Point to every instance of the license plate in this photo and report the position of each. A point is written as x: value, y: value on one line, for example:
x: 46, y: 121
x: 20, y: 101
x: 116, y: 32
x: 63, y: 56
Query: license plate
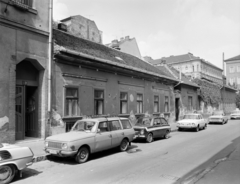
x: 53, y: 152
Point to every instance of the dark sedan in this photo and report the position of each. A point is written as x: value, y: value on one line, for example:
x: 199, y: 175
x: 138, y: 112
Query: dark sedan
x: 149, y: 128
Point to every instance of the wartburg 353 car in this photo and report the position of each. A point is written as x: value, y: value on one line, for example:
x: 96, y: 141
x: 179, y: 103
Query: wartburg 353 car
x: 192, y: 121
x: 149, y: 128
x: 13, y: 159
x: 89, y: 136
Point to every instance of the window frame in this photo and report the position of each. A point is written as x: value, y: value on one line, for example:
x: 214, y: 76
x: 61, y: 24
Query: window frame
x: 158, y: 102
x: 97, y: 100
x: 231, y: 69
x: 65, y: 101
x: 123, y: 100
x: 168, y: 105
x: 139, y: 102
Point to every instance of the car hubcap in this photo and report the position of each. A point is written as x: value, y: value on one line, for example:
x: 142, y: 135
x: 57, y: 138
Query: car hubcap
x: 83, y: 154
x: 150, y: 138
x: 5, y: 172
x: 124, y: 145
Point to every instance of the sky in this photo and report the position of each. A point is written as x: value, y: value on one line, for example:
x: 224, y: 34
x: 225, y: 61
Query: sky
x: 205, y: 28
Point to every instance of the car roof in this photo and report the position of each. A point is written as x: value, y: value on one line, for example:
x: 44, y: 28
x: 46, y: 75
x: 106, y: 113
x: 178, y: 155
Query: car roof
x: 99, y: 119
x: 193, y: 114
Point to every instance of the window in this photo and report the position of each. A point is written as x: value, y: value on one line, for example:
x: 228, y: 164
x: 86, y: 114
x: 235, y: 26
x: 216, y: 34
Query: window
x: 238, y: 80
x: 71, y: 106
x: 190, y: 103
x: 139, y: 103
x: 156, y: 103
x: 103, y: 126
x: 115, y: 125
x: 231, y: 69
x: 166, y: 104
x: 123, y: 103
x: 164, y: 122
x: 126, y: 124
x: 231, y: 81
x: 27, y: 3
x: 238, y: 68
x: 98, y: 102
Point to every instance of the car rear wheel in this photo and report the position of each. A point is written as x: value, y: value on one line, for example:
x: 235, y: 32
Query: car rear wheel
x: 82, y: 155
x: 124, y: 145
x: 149, y: 138
x: 7, y: 173
x: 205, y: 126
x: 167, y: 135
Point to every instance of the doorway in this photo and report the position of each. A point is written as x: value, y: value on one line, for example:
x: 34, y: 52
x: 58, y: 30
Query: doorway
x: 26, y: 101
x: 177, y: 109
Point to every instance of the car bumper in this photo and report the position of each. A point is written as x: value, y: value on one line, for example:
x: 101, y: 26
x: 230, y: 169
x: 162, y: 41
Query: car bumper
x: 186, y: 126
x: 60, y: 153
x: 234, y: 117
x: 215, y: 121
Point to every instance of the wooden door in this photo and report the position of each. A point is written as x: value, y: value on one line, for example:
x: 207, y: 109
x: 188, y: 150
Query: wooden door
x: 19, y: 113
x: 31, y: 126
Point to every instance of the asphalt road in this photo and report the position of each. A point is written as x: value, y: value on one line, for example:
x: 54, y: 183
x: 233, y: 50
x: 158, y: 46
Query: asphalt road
x: 180, y: 159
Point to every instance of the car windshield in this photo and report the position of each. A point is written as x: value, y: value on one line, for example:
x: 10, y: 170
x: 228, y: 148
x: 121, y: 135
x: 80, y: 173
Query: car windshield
x: 218, y: 113
x: 144, y: 121
x: 190, y: 116
x: 86, y: 126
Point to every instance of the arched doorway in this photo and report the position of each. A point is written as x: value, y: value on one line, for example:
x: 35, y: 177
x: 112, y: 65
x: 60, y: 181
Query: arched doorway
x: 27, y: 77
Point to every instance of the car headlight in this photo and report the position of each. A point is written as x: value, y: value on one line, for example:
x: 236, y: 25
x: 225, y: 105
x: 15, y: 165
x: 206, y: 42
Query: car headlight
x: 46, y: 143
x: 193, y: 124
x: 64, y: 146
x: 142, y: 132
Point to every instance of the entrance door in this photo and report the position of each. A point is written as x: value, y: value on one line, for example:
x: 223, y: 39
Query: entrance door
x: 31, y: 124
x: 177, y: 108
x: 20, y: 111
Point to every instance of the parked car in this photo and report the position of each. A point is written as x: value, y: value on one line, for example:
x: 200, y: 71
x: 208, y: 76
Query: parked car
x: 235, y: 114
x: 13, y: 159
x: 218, y: 117
x: 149, y: 128
x: 192, y: 121
x: 89, y: 136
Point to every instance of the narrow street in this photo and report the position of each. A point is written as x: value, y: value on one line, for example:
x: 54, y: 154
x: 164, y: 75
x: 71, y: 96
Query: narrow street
x: 175, y: 160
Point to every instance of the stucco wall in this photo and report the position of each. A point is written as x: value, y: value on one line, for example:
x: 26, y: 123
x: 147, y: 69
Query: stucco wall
x: 112, y: 88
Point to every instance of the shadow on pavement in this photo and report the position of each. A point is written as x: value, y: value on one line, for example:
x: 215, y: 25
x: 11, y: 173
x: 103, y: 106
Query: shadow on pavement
x: 210, y: 163
x: 26, y: 173
x: 94, y: 156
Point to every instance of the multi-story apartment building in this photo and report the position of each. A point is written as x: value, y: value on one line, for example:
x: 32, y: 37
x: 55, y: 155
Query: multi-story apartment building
x: 193, y: 66
x: 82, y: 27
x: 127, y: 45
x: 233, y: 71
x: 24, y: 41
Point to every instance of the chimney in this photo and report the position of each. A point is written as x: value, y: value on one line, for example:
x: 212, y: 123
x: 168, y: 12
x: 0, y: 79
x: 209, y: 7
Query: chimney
x: 126, y: 37
x: 122, y: 39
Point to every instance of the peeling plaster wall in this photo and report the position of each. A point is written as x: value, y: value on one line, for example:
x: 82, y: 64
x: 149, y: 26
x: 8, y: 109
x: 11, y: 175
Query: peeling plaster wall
x: 112, y: 87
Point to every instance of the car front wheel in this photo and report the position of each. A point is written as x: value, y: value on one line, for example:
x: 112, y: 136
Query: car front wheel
x: 167, y: 135
x: 7, y: 173
x: 82, y: 155
x: 149, y: 138
x: 124, y: 145
x: 197, y: 128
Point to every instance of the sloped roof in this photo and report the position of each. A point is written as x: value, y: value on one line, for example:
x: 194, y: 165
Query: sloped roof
x: 181, y: 58
x: 81, y: 45
x: 233, y: 58
x: 175, y: 73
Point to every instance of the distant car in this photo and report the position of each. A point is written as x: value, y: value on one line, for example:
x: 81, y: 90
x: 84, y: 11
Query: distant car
x: 13, y: 159
x: 218, y: 117
x: 235, y: 115
x: 150, y: 128
x: 192, y: 121
x: 89, y: 136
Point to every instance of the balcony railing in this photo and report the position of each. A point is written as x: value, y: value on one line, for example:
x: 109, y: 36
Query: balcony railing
x: 24, y: 4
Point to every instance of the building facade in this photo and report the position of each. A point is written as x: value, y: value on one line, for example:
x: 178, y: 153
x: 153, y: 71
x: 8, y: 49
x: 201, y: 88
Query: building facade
x: 233, y: 71
x: 127, y: 45
x: 83, y: 28
x: 24, y: 34
x: 93, y: 79
x: 193, y: 67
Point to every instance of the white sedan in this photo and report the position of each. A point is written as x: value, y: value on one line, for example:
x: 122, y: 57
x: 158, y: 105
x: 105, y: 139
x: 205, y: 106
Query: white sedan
x: 218, y: 117
x: 235, y: 115
x: 192, y: 121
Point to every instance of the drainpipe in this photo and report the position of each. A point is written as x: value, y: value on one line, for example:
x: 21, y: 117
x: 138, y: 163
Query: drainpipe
x: 50, y: 59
